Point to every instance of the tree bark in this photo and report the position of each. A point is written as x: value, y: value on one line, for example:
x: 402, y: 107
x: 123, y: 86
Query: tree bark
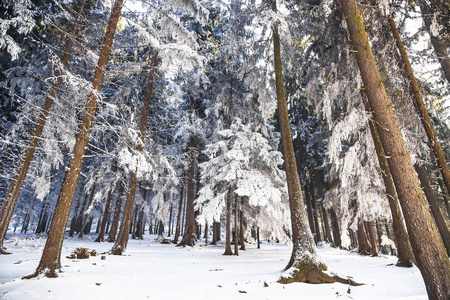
x: 117, y: 210
x: 310, y: 212
x: 123, y: 236
x: 434, y: 206
x: 179, y: 216
x: 51, y: 256
x: 373, y: 240
x: 258, y: 238
x: 241, y: 228
x: 101, y: 233
x: 421, y: 109
x: 317, y: 236
x: 228, y: 250
x: 190, y: 237
x: 364, y: 247
x: 15, y: 186
x: 427, y: 246
x: 85, y: 214
x: 236, y: 227
x: 404, y: 251
x: 336, y: 230
x: 439, y: 47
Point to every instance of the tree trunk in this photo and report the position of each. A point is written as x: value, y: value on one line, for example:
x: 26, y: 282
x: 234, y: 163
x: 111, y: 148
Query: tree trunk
x: 307, y: 268
x: 206, y: 233
x: 85, y: 214
x: 15, y: 186
x: 329, y: 237
x: 179, y: 216
x: 318, y: 238
x: 190, y: 237
x: 444, y: 196
x: 170, y: 220
x: 236, y: 230
x: 214, y: 238
x: 258, y: 238
x: 310, y: 212
x: 42, y: 217
x: 122, y: 239
x: 439, y: 47
x: 364, y: 247
x: 336, y: 230
x: 101, y: 233
x: 404, y: 251
x: 117, y: 210
x: 434, y: 206
x: 373, y: 240
x: 228, y: 250
x: 241, y: 228
x: 421, y: 109
x: 429, y: 251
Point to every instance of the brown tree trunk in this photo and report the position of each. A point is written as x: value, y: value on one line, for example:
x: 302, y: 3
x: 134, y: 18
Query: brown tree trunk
x: 241, y: 228
x: 329, y: 237
x: 51, y: 256
x: 434, y: 206
x: 364, y: 247
x: 310, y: 212
x: 336, y: 230
x: 117, y: 210
x: 101, y: 233
x: 258, y: 238
x: 429, y: 251
x: 215, y: 238
x: 190, y: 237
x: 123, y: 236
x: 179, y: 216
x: 206, y: 233
x: 439, y: 47
x: 236, y: 230
x: 421, y: 109
x: 373, y: 240
x: 307, y: 268
x: 404, y: 251
x: 170, y: 220
x: 228, y: 250
x: 15, y: 186
x: 318, y: 237
x: 444, y: 196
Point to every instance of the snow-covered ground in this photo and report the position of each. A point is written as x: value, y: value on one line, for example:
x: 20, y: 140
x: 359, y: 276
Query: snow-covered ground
x: 150, y: 270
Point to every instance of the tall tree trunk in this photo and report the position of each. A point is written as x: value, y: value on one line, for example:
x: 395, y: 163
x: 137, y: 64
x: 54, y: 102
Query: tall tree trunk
x: 329, y: 236
x: 310, y: 212
x: 236, y: 227
x: 445, y: 195
x: 315, y: 213
x: 434, y: 206
x: 206, y: 233
x: 307, y: 268
x: 117, y: 210
x: 241, y: 228
x: 429, y: 251
x: 373, y: 240
x: 15, y: 186
x: 51, y: 256
x: 258, y: 238
x: 43, y: 215
x: 123, y: 236
x: 439, y: 47
x: 421, y: 109
x: 190, y: 237
x: 179, y: 216
x: 228, y: 250
x: 404, y: 251
x: 101, y: 233
x: 214, y: 238
x: 336, y: 230
x: 170, y: 221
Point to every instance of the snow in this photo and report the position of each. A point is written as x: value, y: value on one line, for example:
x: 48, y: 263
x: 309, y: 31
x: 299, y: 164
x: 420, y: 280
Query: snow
x: 150, y: 270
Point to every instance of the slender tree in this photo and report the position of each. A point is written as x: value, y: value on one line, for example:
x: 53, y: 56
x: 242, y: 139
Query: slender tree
x: 427, y: 246
x: 122, y: 239
x: 101, y: 233
x: 51, y: 256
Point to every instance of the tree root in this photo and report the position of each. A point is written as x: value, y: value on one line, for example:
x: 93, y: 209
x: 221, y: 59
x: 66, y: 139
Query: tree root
x: 309, y: 272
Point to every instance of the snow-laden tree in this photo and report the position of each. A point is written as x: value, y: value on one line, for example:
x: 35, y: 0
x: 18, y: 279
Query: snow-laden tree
x: 247, y: 161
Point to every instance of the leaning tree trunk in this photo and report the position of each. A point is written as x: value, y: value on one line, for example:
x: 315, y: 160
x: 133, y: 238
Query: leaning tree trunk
x: 101, y: 233
x: 427, y: 246
x: 124, y: 231
x: 434, y: 206
x: 421, y: 109
x: 190, y: 237
x: 439, y: 47
x: 117, y: 210
x: 51, y: 256
x: 303, y: 258
x: 404, y: 251
x: 179, y: 215
x: 15, y: 186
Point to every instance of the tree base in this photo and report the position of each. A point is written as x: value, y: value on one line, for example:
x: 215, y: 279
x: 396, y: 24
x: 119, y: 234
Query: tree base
x: 309, y: 272
x: 3, y: 251
x: 117, y: 250
x: 404, y: 264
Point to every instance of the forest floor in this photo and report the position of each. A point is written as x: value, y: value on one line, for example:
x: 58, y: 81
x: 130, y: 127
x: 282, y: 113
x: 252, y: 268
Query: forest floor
x: 150, y: 270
